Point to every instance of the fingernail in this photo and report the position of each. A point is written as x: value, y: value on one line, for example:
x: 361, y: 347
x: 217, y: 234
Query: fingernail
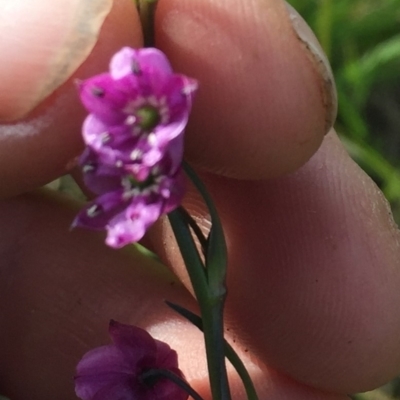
x: 42, y: 43
x: 321, y: 63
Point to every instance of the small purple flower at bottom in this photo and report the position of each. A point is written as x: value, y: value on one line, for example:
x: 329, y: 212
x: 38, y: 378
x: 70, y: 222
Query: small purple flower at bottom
x: 116, y: 371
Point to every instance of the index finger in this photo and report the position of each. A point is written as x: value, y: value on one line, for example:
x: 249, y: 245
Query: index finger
x: 43, y: 52
x: 267, y: 94
x: 263, y: 107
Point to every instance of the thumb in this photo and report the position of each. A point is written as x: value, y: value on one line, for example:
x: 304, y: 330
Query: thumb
x: 44, y: 44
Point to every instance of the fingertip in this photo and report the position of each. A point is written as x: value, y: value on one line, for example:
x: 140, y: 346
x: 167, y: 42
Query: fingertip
x: 328, y: 257
x: 313, y: 271
x: 260, y: 111
x: 51, y: 40
x: 269, y: 384
x: 44, y: 144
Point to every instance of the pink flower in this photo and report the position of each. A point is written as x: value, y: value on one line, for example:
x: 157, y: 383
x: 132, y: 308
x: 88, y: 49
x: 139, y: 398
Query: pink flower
x: 136, y: 109
x: 125, y: 207
x: 117, y: 371
x: 134, y: 137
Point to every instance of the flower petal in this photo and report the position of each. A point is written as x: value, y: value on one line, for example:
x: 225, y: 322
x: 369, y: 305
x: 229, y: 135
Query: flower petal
x: 129, y: 336
x: 134, y: 135
x: 117, y: 371
x: 180, y: 90
x: 122, y: 391
x: 166, y: 133
x: 112, y: 145
x: 152, y: 59
x: 102, y: 360
x: 172, y: 189
x: 128, y: 61
x: 103, y: 98
x: 132, y: 225
x: 97, y: 214
x: 174, y: 154
x: 166, y: 357
x: 98, y: 368
x: 94, y: 132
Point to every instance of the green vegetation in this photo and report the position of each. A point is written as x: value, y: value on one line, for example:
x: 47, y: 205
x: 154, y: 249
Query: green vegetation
x: 362, y: 41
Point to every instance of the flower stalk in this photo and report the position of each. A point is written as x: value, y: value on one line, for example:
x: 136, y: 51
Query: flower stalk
x: 147, y: 10
x: 210, y: 292
x: 155, y: 373
x: 211, y: 306
x: 208, y: 283
x: 230, y: 353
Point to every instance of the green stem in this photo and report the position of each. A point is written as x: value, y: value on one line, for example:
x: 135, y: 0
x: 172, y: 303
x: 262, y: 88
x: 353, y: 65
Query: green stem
x: 196, y: 229
x: 147, y: 10
x: 324, y: 25
x: 157, y: 373
x: 212, y: 314
x: 211, y: 306
x: 216, y: 256
x: 240, y: 368
x: 230, y: 353
x: 190, y: 254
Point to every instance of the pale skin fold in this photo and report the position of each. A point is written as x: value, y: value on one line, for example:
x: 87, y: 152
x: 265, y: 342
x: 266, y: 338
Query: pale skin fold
x: 314, y: 274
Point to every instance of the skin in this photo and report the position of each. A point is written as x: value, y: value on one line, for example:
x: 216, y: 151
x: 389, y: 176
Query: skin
x: 313, y: 301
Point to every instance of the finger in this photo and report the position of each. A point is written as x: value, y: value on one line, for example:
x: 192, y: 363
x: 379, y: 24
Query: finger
x: 313, y: 271
x: 57, y: 49
x: 274, y: 146
x: 59, y: 289
x: 266, y: 94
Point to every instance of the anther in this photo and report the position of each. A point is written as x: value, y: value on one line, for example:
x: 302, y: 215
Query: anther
x: 98, y: 92
x: 87, y: 168
x: 136, y: 68
x: 152, y: 139
x: 93, y: 211
x: 136, y: 154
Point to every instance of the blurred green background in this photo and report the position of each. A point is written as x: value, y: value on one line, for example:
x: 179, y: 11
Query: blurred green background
x: 362, y: 41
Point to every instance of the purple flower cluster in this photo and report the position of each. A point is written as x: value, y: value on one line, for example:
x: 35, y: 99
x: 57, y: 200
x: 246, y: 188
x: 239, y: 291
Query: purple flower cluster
x: 134, y: 138
x: 118, y: 371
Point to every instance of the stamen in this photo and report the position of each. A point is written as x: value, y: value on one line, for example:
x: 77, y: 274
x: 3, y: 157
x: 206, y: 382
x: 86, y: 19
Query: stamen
x: 136, y: 68
x: 189, y: 88
x: 93, y: 211
x: 130, y: 120
x: 136, y: 154
x: 126, y: 184
x: 105, y: 137
x: 87, y: 168
x: 133, y: 105
x: 152, y: 139
x: 98, y: 92
x: 166, y: 193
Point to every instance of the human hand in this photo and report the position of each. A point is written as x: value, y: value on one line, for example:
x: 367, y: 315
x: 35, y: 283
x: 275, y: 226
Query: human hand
x: 313, y: 272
